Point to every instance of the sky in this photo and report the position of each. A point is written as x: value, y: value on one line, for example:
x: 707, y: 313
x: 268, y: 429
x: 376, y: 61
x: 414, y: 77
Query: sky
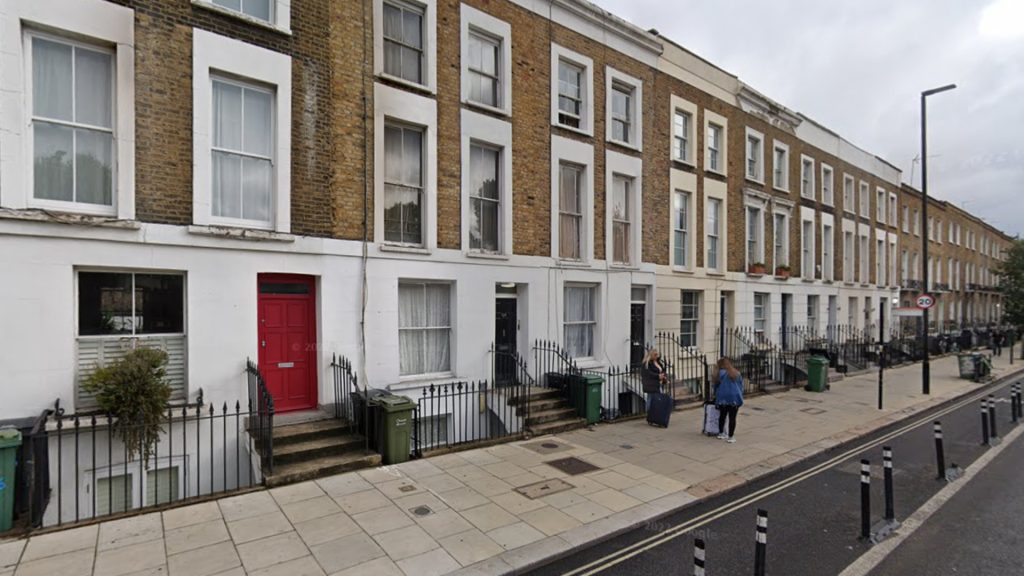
x: 858, y: 67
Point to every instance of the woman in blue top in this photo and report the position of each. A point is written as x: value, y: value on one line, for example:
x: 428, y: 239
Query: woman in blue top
x: 728, y: 398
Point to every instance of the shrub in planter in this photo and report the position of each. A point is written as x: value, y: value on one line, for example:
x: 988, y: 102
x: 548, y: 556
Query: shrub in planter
x: 782, y: 271
x: 757, y: 268
x: 134, y: 392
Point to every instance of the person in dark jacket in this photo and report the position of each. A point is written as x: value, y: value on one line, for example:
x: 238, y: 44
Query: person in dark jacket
x: 652, y: 373
x: 728, y: 398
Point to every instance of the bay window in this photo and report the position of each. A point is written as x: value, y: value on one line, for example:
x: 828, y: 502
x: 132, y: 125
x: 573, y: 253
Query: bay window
x: 424, y: 328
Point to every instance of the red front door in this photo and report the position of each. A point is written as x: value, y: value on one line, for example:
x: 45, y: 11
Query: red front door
x: 287, y: 339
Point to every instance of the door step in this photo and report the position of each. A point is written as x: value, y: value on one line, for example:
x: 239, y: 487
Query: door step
x: 322, y: 466
x: 316, y: 448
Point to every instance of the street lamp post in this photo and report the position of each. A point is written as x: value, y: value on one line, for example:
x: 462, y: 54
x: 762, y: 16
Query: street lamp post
x: 926, y: 384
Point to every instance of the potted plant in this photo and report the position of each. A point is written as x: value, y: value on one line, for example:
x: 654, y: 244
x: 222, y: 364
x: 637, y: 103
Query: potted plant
x: 782, y: 271
x: 757, y: 268
x: 134, y: 392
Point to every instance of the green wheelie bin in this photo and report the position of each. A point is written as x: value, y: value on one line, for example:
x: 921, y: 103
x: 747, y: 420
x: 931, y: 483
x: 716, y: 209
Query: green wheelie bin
x: 397, y: 416
x: 10, y: 441
x: 586, y: 397
x: 817, y: 374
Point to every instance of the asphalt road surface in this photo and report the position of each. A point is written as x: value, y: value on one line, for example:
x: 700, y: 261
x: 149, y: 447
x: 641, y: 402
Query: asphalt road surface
x: 813, y: 508
x: 976, y: 532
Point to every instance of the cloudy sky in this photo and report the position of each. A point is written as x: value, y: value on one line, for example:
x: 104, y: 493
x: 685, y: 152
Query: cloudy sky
x: 859, y: 66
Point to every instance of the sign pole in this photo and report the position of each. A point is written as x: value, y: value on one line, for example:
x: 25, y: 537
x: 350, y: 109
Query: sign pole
x: 881, y: 353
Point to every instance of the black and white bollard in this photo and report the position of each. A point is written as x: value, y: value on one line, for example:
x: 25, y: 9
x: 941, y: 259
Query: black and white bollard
x: 940, y: 453
x: 992, y: 417
x: 1013, y: 403
x: 698, y: 557
x: 890, y: 513
x: 984, y: 423
x: 865, y: 499
x: 762, y: 542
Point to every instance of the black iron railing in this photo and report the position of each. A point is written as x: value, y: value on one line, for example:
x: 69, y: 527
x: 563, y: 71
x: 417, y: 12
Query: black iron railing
x: 688, y: 366
x: 848, y: 346
x: 261, y: 416
x: 465, y: 413
x: 34, y: 472
x: 552, y: 364
x: 202, y: 450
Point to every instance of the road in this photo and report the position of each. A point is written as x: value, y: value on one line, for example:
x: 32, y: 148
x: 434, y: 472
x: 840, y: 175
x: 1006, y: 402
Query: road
x: 976, y: 532
x: 814, y: 507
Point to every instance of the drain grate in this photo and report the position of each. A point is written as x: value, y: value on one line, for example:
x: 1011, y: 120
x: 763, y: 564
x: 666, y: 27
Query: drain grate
x: 544, y: 488
x: 572, y: 466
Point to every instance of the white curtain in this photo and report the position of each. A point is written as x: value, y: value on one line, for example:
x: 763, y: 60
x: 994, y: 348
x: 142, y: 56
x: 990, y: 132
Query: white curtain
x: 242, y: 121
x: 579, y: 321
x: 424, y: 322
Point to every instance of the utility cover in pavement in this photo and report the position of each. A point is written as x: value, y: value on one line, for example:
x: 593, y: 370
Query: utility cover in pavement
x: 813, y: 411
x: 547, y: 447
x: 572, y: 466
x: 544, y: 488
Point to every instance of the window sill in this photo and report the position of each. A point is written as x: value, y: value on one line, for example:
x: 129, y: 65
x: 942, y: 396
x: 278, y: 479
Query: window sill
x: 503, y: 112
x: 782, y: 278
x: 561, y: 263
x: 807, y: 280
x: 422, y: 88
x: 240, y: 16
x: 622, y: 266
x: 416, y: 381
x: 716, y: 172
x: 687, y: 163
x: 755, y: 181
x: 682, y: 270
x: 626, y: 145
x: 783, y: 190
x: 580, y: 131
x: 241, y: 233
x: 486, y: 256
x: 715, y: 273
x: 39, y: 215
x: 403, y: 249
x: 754, y: 275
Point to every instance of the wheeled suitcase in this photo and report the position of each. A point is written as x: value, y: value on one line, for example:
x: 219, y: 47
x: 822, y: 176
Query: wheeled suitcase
x: 659, y: 409
x: 711, y: 419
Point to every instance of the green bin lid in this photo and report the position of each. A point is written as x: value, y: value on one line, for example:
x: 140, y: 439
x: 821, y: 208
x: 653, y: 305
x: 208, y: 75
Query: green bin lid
x: 10, y: 437
x: 593, y: 379
x: 396, y: 403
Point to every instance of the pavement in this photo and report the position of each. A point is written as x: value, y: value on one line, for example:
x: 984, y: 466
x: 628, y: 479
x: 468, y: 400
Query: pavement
x: 460, y: 513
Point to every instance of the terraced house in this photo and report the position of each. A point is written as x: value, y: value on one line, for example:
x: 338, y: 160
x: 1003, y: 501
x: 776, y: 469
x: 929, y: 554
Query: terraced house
x: 462, y: 199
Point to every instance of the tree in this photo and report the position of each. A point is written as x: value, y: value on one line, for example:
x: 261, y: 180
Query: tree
x: 1011, y: 278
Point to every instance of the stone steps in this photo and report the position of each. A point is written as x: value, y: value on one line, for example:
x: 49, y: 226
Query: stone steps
x: 317, y: 448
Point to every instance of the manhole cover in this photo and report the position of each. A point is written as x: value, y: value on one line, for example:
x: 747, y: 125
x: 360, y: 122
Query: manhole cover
x: 421, y: 511
x: 626, y: 446
x: 544, y: 488
x: 406, y: 488
x: 546, y: 447
x: 572, y: 466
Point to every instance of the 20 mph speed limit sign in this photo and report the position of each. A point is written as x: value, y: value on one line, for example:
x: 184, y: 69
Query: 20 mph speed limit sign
x: 924, y: 301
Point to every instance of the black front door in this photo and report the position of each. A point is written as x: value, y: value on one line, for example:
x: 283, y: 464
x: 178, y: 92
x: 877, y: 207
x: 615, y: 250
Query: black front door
x: 637, y: 332
x: 505, y: 336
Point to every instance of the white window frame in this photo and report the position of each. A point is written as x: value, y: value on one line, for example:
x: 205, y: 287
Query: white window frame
x: 881, y: 205
x: 568, y: 150
x: 429, y: 44
x: 765, y: 318
x: 807, y: 181
x: 685, y: 182
x: 849, y: 256
x: 721, y: 253
x: 280, y: 14
x: 828, y: 194
x: 107, y: 26
x: 893, y: 210
x: 595, y: 323
x: 215, y: 55
x: 752, y: 134
x: 786, y: 214
x: 482, y: 23
x: 636, y: 133
x: 761, y: 205
x: 881, y: 256
x: 865, y: 257
x: 849, y: 194
x: 906, y: 219
x: 452, y: 323
x: 404, y: 107
x: 138, y: 483
x: 496, y: 133
x: 917, y: 222
x: 558, y: 54
x: 864, y: 197
x: 710, y: 118
x: 682, y: 106
x: 782, y: 186
x: 813, y: 311
x: 694, y: 321
x: 630, y: 167
x: 808, y: 247
x: 686, y: 230
x: 827, y: 248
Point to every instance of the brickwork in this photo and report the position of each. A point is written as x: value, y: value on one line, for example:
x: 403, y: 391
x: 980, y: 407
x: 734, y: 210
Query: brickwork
x: 163, y: 131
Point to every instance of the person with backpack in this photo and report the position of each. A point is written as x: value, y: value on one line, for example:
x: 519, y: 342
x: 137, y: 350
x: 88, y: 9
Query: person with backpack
x: 728, y: 398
